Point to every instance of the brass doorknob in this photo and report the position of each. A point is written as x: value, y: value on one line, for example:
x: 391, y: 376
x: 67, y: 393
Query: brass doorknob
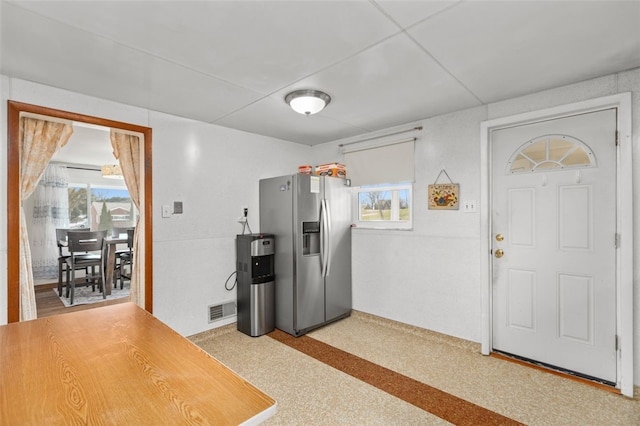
x: 499, y: 237
x: 499, y: 253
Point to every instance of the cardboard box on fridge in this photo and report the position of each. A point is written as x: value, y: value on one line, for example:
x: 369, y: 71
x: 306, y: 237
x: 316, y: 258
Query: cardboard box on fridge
x: 332, y: 169
x: 306, y: 169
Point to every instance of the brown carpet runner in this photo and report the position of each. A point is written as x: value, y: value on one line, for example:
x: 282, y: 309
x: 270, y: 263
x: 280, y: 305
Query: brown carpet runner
x: 439, y: 403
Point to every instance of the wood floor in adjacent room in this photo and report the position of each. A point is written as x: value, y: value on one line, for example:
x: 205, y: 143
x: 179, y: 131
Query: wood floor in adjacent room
x: 48, y: 303
x: 408, y: 376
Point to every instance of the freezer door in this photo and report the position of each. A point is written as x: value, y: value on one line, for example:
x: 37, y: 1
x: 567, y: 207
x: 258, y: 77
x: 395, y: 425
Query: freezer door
x: 308, y: 283
x: 338, y: 277
x: 276, y: 217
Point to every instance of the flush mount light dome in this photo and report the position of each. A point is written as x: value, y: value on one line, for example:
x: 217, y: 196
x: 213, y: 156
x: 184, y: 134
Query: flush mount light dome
x: 307, y: 101
x: 112, y: 171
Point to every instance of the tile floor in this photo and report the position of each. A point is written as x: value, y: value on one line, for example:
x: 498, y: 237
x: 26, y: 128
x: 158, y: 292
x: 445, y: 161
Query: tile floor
x: 310, y: 392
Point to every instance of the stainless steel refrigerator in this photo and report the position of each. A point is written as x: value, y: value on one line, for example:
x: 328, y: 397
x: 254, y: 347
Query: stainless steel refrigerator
x: 310, y: 217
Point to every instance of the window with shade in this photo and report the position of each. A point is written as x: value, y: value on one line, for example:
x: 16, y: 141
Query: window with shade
x: 382, y: 179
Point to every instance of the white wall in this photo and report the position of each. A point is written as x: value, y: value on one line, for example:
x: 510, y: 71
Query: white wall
x: 430, y: 276
x: 213, y: 170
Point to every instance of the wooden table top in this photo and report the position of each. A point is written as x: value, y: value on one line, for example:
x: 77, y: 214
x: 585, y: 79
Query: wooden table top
x: 117, y: 365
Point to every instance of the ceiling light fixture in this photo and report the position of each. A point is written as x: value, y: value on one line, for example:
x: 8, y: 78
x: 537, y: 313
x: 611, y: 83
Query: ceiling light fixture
x: 307, y: 101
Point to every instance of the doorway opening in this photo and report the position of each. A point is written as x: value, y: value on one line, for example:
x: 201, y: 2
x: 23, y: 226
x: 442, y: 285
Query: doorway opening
x: 15, y: 109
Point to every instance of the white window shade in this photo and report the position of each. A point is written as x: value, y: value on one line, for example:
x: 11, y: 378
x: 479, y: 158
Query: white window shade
x: 391, y: 163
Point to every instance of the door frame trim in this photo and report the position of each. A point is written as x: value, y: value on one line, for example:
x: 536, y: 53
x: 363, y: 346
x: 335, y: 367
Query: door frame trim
x: 624, y: 219
x: 14, y: 109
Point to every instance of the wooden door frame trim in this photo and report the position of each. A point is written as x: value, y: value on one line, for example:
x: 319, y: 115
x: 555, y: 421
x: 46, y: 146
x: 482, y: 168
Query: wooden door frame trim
x: 624, y: 219
x: 13, y: 196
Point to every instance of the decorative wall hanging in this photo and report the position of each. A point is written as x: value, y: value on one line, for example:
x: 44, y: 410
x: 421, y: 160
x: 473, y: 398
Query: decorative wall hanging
x: 443, y: 196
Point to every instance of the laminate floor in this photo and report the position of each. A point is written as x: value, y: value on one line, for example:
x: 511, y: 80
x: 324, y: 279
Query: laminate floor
x: 364, y: 370
x: 48, y: 303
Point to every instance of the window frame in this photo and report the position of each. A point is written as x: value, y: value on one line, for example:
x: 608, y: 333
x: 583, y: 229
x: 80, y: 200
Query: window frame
x: 92, y: 188
x: 384, y: 224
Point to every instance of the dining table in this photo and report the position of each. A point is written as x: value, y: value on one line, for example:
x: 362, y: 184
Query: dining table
x: 109, y: 263
x: 117, y: 365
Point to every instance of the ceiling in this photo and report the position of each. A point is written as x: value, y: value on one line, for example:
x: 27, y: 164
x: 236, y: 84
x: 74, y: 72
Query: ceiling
x: 384, y: 63
x: 88, y: 146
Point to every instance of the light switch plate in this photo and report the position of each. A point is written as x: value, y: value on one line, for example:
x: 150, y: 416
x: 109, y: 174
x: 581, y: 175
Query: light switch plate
x: 166, y: 211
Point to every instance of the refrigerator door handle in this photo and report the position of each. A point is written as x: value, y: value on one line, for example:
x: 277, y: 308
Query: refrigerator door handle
x: 327, y: 209
x: 323, y: 234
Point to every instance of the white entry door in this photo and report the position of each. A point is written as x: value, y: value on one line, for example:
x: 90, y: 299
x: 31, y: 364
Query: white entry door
x: 554, y: 242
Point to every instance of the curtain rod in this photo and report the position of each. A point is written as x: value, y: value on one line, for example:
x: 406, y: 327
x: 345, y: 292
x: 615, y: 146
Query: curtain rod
x: 349, y: 151
x: 77, y: 166
x: 418, y: 128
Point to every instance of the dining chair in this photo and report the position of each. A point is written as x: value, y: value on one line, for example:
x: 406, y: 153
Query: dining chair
x: 117, y: 232
x: 125, y: 257
x: 86, y: 250
x: 63, y: 252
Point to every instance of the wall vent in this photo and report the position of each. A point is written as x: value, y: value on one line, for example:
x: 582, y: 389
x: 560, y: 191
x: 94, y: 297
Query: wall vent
x: 218, y: 312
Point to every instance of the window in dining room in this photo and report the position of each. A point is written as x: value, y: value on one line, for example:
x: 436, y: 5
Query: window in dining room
x: 100, y: 207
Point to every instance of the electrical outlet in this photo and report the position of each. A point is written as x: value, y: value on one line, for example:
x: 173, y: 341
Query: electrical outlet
x: 469, y: 206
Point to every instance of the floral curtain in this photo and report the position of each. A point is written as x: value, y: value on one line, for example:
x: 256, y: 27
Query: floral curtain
x: 126, y: 148
x: 50, y: 211
x: 39, y: 140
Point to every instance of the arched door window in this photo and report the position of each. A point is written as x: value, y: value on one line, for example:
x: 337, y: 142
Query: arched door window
x: 549, y: 153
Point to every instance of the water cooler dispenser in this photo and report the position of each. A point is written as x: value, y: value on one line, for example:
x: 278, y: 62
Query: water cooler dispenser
x: 256, y: 283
